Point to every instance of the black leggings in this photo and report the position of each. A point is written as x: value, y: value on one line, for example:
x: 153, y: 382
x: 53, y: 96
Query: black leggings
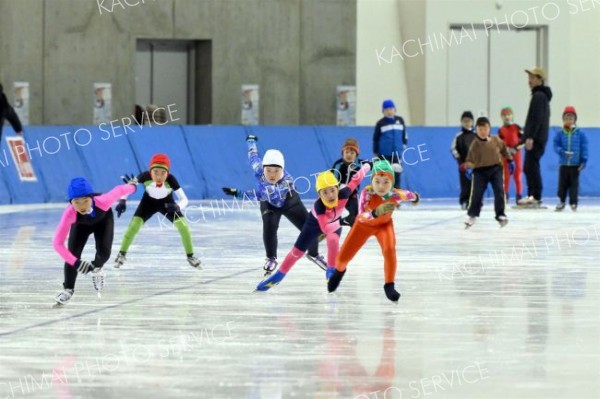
x: 103, y: 234
x: 295, y: 212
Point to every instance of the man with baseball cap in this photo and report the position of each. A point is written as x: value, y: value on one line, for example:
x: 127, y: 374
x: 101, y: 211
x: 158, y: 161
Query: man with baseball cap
x: 536, y: 134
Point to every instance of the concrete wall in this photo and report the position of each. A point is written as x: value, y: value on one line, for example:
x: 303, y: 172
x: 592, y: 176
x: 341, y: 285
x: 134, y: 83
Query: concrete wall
x: 296, y: 50
x: 378, y: 30
x: 573, y: 52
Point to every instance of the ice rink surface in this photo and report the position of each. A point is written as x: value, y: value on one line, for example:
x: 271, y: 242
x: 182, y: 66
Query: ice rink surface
x: 485, y: 312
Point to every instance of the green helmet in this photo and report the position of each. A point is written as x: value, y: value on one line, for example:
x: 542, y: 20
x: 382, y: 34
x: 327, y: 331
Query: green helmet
x: 383, y: 166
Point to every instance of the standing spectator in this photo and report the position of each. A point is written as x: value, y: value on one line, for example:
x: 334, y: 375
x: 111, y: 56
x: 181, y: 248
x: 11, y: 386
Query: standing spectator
x: 511, y: 134
x: 7, y: 112
x: 390, y: 138
x: 571, y: 145
x: 536, y: 134
x: 460, y: 148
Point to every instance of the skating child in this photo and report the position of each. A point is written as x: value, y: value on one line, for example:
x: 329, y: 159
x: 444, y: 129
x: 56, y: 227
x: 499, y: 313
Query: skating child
x: 460, y: 148
x: 88, y: 213
x: 278, y: 197
x: 511, y: 134
x: 345, y: 169
x: 324, y: 218
x: 571, y: 145
x: 376, y: 206
x: 159, y: 185
x: 484, y: 165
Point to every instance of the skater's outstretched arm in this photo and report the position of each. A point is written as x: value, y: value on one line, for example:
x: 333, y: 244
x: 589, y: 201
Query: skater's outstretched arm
x: 358, y: 178
x: 62, y: 231
x: 254, y: 159
x: 106, y: 200
x: 400, y: 195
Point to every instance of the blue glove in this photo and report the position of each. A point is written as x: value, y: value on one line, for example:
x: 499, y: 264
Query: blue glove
x: 172, y: 207
x: 469, y: 173
x: 121, y: 207
x: 511, y: 167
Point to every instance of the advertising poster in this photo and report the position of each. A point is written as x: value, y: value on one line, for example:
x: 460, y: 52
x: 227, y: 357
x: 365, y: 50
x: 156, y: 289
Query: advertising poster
x: 102, y: 103
x: 250, y: 100
x: 346, y: 105
x: 21, y: 104
x: 20, y: 156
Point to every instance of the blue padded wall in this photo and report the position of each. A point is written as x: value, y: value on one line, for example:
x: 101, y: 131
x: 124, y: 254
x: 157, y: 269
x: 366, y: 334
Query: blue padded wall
x: 107, y: 156
x: 206, y: 158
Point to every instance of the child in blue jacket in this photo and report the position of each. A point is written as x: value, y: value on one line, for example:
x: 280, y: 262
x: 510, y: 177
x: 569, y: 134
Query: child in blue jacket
x: 571, y: 145
x: 278, y: 197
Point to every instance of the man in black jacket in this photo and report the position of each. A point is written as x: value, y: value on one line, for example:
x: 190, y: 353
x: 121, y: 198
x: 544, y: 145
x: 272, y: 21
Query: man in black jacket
x: 7, y: 112
x: 536, y: 134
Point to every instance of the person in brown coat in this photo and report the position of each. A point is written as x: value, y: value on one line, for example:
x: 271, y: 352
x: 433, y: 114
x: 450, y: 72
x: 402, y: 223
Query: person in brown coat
x: 485, y: 165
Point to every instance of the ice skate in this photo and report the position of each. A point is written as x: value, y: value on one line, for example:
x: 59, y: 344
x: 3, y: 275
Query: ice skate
x: 574, y: 207
x: 502, y: 219
x: 120, y: 260
x: 526, y: 200
x: 193, y: 261
x: 560, y: 207
x: 334, y: 280
x: 318, y: 260
x: 469, y: 222
x: 63, y: 297
x: 98, y: 279
x: 391, y: 292
x: 270, y: 282
x: 529, y: 203
x: 329, y: 272
x: 270, y: 266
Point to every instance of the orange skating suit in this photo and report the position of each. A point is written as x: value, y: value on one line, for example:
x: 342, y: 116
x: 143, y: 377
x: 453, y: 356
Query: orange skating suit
x: 367, y: 225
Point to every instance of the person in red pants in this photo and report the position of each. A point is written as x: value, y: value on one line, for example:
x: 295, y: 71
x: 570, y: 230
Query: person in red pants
x: 375, y: 207
x: 511, y: 134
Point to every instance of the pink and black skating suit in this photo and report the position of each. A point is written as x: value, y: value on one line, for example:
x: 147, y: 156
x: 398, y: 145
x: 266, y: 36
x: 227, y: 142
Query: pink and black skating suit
x: 78, y: 228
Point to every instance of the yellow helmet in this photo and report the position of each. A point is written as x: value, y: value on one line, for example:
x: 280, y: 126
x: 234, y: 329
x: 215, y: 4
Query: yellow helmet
x: 325, y: 180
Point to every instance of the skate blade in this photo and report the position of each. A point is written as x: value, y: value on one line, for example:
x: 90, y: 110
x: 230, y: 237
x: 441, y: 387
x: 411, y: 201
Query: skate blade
x: 99, y: 295
x: 58, y: 305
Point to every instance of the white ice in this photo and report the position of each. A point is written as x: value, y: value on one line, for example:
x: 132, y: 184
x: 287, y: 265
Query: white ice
x: 485, y: 312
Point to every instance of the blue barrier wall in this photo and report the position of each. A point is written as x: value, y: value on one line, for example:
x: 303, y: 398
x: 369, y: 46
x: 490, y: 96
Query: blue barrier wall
x: 206, y: 158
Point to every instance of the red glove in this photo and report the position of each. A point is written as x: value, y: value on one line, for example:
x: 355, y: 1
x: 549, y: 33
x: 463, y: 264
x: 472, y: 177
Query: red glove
x: 463, y: 166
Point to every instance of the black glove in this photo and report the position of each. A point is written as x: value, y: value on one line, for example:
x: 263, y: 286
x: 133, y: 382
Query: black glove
x: 83, y: 266
x: 366, y: 161
x: 251, y: 137
x: 417, y: 199
x: 231, y: 191
x: 172, y: 207
x: 121, y: 207
x: 130, y: 179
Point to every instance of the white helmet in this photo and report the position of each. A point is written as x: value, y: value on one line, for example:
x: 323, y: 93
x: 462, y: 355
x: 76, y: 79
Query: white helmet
x: 273, y: 158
